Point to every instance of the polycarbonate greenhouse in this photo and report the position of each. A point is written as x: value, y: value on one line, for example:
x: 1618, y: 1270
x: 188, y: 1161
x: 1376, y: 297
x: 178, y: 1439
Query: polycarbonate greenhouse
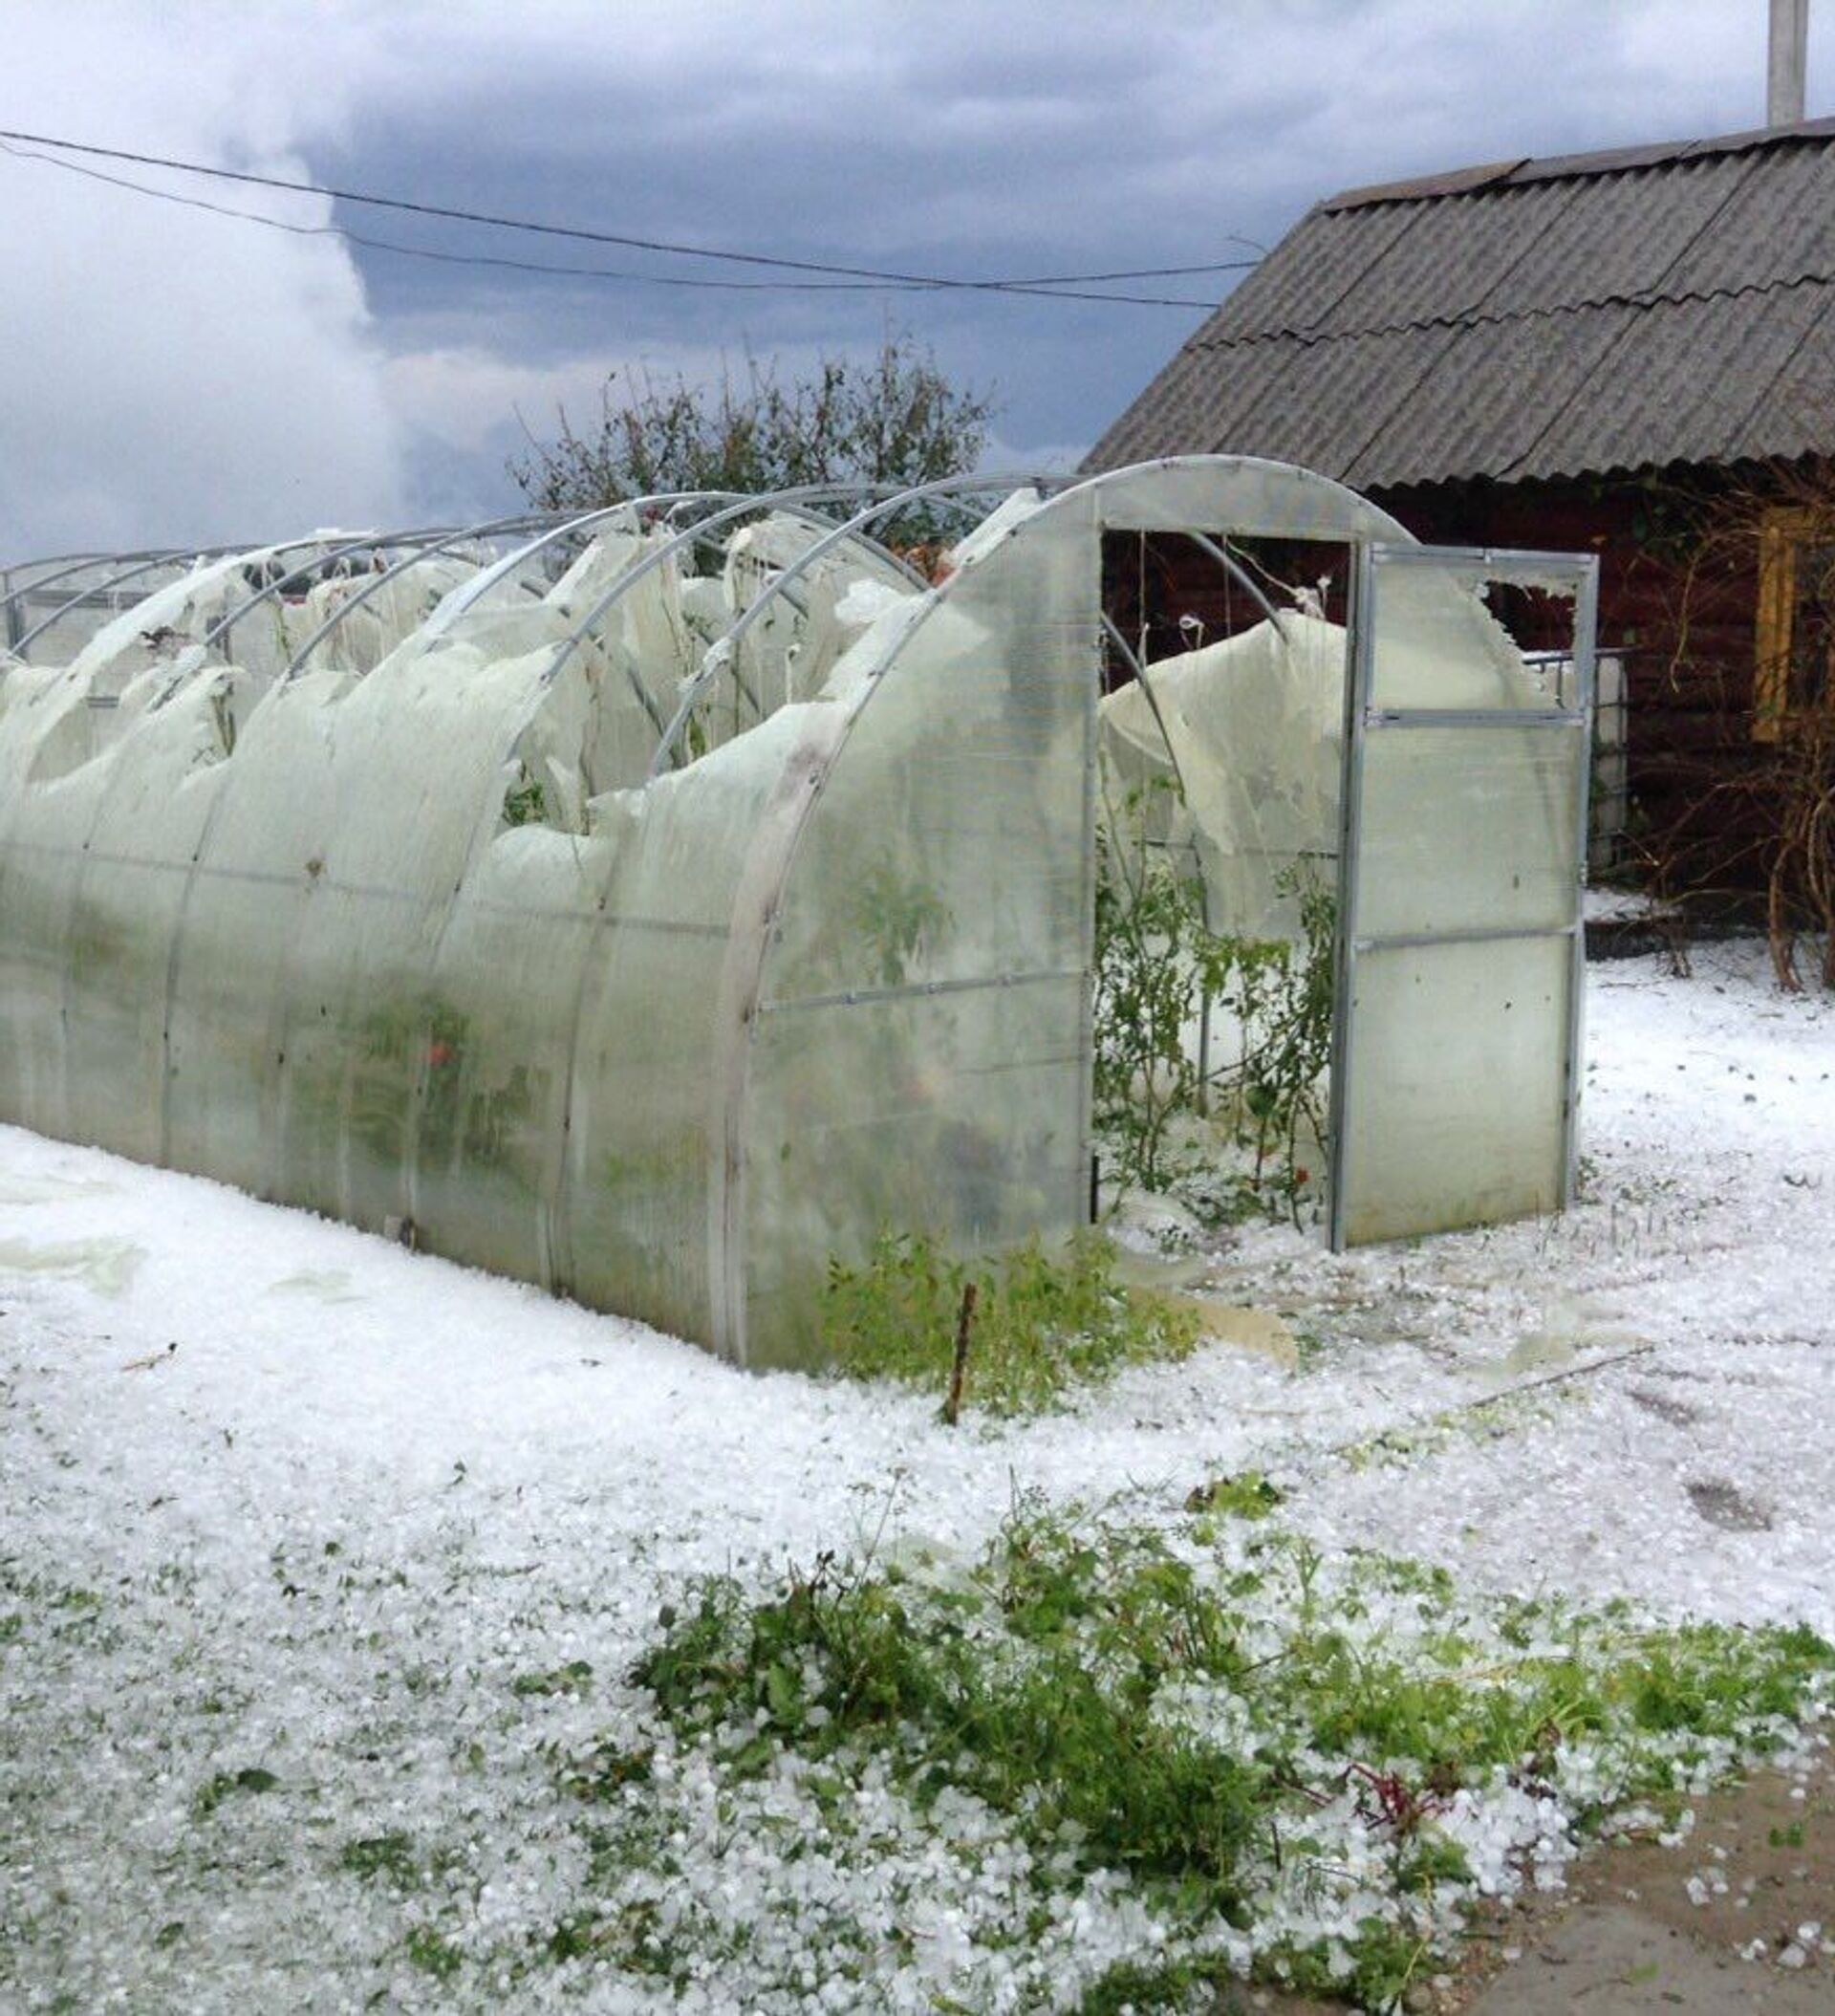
x: 660, y: 903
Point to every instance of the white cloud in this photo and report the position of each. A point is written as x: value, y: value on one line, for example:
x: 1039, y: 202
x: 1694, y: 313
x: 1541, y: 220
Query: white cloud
x: 171, y: 375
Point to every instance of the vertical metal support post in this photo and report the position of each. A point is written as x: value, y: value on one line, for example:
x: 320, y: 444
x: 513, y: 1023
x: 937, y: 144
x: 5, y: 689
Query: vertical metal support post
x: 1091, y: 721
x: 1204, y: 1051
x: 1586, y: 621
x: 1787, y: 61
x: 1359, y: 679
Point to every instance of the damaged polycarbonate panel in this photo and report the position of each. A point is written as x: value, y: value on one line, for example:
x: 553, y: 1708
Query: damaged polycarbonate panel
x: 919, y: 1055
x: 1233, y: 753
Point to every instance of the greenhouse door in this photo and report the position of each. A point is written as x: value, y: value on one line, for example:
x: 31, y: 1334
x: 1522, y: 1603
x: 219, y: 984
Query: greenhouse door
x: 1457, y: 1041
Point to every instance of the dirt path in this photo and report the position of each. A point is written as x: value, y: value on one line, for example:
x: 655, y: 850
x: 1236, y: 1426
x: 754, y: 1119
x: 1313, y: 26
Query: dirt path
x: 1677, y: 1929
x: 1668, y: 1930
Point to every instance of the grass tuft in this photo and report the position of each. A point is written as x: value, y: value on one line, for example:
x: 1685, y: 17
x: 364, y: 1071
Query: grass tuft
x: 1043, y: 1323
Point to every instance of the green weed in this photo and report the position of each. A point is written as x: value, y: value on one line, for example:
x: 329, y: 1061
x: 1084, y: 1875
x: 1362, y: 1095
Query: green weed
x: 1196, y: 1710
x: 1249, y: 1496
x: 573, y: 1678
x: 391, y: 1856
x: 1042, y: 1323
x: 229, y: 1785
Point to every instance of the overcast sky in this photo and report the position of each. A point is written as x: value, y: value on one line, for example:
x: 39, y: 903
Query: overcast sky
x: 173, y: 374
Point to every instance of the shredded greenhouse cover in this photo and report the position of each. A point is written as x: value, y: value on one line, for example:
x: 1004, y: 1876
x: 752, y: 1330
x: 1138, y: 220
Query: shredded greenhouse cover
x: 333, y: 1582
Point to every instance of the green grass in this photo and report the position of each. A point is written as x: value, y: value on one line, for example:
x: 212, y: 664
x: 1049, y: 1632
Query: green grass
x: 431, y: 1953
x: 1043, y: 1323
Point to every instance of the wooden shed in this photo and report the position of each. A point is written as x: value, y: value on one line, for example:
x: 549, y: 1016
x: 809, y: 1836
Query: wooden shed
x: 1631, y: 353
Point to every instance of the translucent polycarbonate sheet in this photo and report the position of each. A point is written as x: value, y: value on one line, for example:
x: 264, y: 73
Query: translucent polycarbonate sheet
x: 919, y: 1061
x: 38, y: 904
x: 661, y: 1031
x: 372, y: 603
x: 1459, y: 1117
x: 1237, y: 753
x: 160, y: 783
x: 1469, y: 829
x: 370, y: 1049
x: 947, y: 845
x: 1454, y: 1066
x: 1437, y: 642
x: 954, y: 1114
x: 495, y: 1059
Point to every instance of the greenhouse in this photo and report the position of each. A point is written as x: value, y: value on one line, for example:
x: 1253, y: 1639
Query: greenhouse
x: 662, y: 904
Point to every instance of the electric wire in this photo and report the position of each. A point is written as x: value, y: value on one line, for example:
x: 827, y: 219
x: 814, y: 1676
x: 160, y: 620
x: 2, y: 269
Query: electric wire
x: 1051, y: 287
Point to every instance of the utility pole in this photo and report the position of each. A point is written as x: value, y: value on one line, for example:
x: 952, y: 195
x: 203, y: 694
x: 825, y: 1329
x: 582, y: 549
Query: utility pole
x: 1784, y: 73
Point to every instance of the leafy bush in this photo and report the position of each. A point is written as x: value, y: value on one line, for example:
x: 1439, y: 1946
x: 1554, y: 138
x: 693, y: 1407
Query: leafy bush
x: 894, y: 419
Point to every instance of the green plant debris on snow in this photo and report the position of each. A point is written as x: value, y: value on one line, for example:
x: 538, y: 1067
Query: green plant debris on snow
x: 1042, y: 1323
x: 573, y: 1678
x: 1249, y: 1496
x: 1220, y: 1718
x: 230, y: 1785
x: 391, y: 1856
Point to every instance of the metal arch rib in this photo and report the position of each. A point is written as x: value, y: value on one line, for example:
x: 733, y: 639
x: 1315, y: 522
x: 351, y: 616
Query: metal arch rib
x: 64, y: 565
x: 943, y: 487
x: 1238, y: 573
x: 461, y: 599
x: 792, y: 503
x: 1112, y: 632
x: 436, y: 543
x: 176, y: 556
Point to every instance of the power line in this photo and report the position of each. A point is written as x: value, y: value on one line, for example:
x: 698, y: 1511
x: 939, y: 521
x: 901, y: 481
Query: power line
x: 1051, y: 288
x: 483, y: 259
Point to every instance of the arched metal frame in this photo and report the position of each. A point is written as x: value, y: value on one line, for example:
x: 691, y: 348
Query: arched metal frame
x: 722, y: 651
x: 439, y: 544
x: 63, y: 564
x: 463, y: 598
x: 794, y: 503
x: 178, y: 556
x: 369, y: 541
x: 61, y: 567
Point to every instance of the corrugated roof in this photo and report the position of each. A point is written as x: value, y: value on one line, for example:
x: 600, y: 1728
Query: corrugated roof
x: 1529, y: 318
